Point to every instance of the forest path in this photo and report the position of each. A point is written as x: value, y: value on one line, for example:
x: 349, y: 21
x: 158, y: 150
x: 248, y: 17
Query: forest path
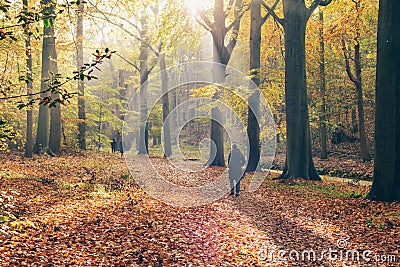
x: 66, y: 220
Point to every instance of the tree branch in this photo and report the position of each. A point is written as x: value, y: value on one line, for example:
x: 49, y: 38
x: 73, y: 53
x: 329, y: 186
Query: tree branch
x: 229, y: 7
x: 130, y: 63
x: 106, y: 18
x: 78, y: 75
x: 235, y: 26
x: 273, y: 14
x: 325, y: 2
x: 315, y: 4
x: 239, y: 12
x: 205, y: 23
x: 347, y: 61
x: 265, y: 18
x: 125, y: 30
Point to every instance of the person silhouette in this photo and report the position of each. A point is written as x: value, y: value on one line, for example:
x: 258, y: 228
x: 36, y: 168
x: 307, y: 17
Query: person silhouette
x: 113, y: 146
x: 235, y: 162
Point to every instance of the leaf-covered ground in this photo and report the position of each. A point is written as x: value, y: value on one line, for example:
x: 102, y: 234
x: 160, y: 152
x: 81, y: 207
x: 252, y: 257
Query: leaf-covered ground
x: 339, y: 166
x: 86, y: 210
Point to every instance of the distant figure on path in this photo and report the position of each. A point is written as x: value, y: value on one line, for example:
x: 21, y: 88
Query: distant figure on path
x: 113, y: 146
x: 235, y: 162
x: 121, y: 148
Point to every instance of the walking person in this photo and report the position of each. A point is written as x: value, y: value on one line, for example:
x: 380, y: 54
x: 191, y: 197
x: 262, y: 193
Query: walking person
x: 235, y: 162
x: 113, y: 146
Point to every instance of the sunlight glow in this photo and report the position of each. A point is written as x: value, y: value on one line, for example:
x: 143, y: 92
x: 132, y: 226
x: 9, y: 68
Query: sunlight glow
x: 196, y: 6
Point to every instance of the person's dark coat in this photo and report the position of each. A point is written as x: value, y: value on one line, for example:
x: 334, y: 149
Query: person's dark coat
x: 235, y: 162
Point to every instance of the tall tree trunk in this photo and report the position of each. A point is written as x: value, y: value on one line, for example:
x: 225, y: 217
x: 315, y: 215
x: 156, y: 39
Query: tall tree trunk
x: 144, y: 74
x: 322, y: 118
x: 55, y: 112
x: 354, y: 121
x: 386, y: 185
x: 100, y: 119
x: 299, y: 161
x: 217, y: 130
x: 219, y: 73
x: 357, y: 80
x: 361, y: 125
x: 81, y: 84
x: 165, y: 107
x: 29, y: 88
x: 221, y: 55
x: 253, y: 128
x: 42, y: 134
x: 122, y: 96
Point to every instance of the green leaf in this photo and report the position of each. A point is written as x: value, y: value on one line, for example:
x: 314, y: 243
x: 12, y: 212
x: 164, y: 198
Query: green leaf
x: 46, y: 23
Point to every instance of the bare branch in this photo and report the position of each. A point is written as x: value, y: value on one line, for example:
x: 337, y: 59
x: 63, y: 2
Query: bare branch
x: 265, y: 18
x: 317, y: 3
x: 235, y: 26
x: 229, y: 7
x: 106, y: 18
x: 313, y: 6
x: 347, y: 61
x: 124, y: 19
x: 273, y: 14
x: 153, y: 65
x: 239, y: 12
x: 325, y: 2
x: 130, y: 63
x: 205, y: 23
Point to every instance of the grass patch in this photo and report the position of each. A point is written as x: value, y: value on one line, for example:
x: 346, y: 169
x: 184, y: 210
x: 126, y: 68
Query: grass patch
x: 331, y: 189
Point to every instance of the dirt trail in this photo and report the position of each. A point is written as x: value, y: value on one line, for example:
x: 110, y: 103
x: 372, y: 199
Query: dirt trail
x: 69, y: 220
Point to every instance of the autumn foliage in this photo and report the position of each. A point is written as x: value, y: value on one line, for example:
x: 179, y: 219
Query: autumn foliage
x: 86, y: 210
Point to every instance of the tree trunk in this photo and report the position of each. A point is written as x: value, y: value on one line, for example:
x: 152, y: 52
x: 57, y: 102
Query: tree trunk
x: 55, y: 112
x: 386, y: 185
x: 354, y: 121
x: 100, y: 117
x: 299, y: 161
x: 253, y: 128
x: 42, y: 134
x: 360, y: 106
x: 361, y: 125
x: 221, y: 55
x: 144, y: 74
x: 29, y: 88
x: 219, y: 73
x: 165, y: 107
x: 81, y: 84
x: 122, y: 96
x: 217, y: 130
x: 357, y: 80
x: 322, y: 118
